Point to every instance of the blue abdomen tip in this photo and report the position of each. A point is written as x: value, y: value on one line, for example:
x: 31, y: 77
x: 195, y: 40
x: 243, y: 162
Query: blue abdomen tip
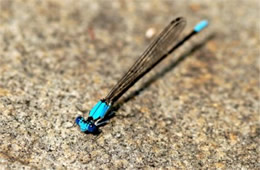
x: 201, y: 25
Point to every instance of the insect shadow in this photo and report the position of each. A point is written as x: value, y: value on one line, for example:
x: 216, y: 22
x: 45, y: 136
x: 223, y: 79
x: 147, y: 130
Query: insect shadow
x: 158, y: 75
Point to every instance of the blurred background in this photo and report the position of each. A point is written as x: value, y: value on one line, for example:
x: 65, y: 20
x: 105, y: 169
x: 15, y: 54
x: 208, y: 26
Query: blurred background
x: 198, y: 109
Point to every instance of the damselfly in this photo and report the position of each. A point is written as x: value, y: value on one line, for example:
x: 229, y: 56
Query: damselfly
x: 159, y: 49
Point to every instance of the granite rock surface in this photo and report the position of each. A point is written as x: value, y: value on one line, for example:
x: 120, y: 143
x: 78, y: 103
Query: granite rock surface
x: 198, y: 109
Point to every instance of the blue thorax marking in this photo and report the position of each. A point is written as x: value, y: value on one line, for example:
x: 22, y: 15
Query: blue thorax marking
x: 99, y: 110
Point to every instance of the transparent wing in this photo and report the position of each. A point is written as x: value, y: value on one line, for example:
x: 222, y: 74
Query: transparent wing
x: 156, y: 51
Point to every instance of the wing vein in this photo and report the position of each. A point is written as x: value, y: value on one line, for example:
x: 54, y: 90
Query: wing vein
x: 155, y: 52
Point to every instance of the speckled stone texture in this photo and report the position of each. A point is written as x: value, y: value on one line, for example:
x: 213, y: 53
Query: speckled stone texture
x: 199, y: 109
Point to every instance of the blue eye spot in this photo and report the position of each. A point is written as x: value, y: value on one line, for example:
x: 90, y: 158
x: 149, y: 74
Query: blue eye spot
x: 78, y: 119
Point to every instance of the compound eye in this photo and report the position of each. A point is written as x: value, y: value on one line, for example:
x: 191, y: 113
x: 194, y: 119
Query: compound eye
x: 77, y: 120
